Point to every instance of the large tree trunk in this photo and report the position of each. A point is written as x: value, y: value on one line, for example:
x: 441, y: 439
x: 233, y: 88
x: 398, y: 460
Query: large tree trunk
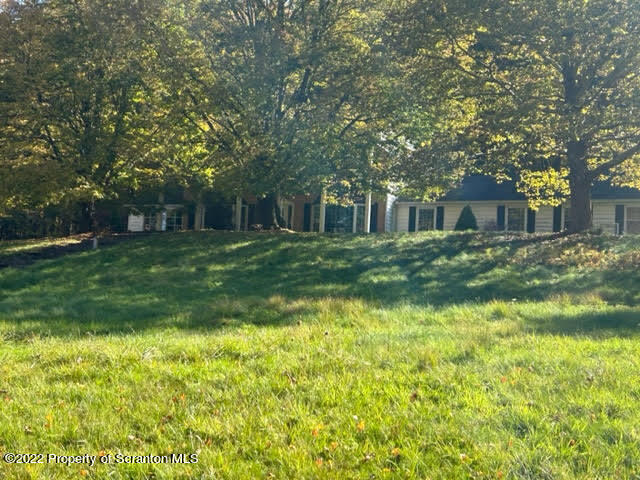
x: 268, y: 212
x: 580, y: 216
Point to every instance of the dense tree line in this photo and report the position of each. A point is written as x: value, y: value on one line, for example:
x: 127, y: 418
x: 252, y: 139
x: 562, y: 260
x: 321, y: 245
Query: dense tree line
x: 276, y: 97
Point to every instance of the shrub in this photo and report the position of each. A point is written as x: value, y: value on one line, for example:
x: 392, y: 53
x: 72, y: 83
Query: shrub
x: 467, y: 220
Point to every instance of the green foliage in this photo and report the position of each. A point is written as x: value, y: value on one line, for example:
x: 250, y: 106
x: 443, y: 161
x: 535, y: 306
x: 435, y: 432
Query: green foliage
x: 168, y: 343
x: 548, y: 87
x: 80, y: 109
x: 284, y: 96
x: 466, y: 220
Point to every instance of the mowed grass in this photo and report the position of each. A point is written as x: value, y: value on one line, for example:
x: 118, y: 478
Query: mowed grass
x: 305, y: 356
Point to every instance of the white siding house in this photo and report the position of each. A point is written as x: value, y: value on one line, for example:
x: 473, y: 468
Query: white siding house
x: 500, y: 207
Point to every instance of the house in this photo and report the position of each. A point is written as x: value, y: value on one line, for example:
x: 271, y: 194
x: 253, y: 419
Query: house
x: 496, y: 206
x: 500, y: 207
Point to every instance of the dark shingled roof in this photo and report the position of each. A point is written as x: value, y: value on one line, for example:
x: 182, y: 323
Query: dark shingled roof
x: 484, y: 187
x: 603, y: 190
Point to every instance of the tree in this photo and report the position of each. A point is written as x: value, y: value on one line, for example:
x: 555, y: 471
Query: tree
x: 466, y: 220
x: 551, y: 91
x: 286, y: 96
x: 77, y: 105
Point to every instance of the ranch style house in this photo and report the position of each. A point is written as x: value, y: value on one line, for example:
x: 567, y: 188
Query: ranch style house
x: 496, y: 206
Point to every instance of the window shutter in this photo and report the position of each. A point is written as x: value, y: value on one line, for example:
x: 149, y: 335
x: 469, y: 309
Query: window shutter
x: 306, y: 223
x: 620, y: 218
x: 252, y: 214
x: 412, y: 219
x: 500, y: 217
x: 531, y: 221
x: 373, y: 226
x: 440, y: 218
x: 557, y: 218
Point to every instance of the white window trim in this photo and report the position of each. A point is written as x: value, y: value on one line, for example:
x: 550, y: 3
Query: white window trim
x: 245, y: 222
x: 626, y: 217
x: 354, y: 227
x: 434, y: 210
x: 284, y: 210
x: 314, y: 208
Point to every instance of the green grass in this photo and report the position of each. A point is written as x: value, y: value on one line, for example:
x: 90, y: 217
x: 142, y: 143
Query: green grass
x: 305, y: 356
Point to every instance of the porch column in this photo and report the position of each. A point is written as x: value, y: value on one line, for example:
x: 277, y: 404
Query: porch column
x: 323, y: 210
x: 238, y: 221
x: 198, y: 221
x: 367, y: 213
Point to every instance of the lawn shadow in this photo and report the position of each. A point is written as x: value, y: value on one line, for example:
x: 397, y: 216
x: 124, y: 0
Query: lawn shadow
x: 212, y: 279
x: 611, y: 321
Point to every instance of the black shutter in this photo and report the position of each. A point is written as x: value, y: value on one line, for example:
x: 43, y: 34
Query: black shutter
x: 412, y: 219
x: 620, y: 218
x: 252, y: 214
x: 440, y: 218
x: 531, y: 221
x: 500, y: 217
x: 306, y: 223
x: 557, y: 218
x: 373, y: 226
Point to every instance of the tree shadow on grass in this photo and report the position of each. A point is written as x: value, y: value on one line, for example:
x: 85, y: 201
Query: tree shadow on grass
x: 619, y: 322
x: 209, y: 280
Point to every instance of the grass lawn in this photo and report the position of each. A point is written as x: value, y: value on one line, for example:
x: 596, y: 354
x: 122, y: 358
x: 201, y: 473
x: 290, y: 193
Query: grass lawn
x: 435, y: 356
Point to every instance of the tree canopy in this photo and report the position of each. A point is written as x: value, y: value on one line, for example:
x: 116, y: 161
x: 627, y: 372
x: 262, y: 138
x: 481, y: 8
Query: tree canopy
x: 553, y: 88
x: 279, y: 97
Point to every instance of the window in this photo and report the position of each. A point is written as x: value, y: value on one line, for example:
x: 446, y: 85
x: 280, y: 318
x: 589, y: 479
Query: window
x: 633, y: 220
x: 149, y: 222
x: 315, y: 218
x: 515, y: 219
x: 286, y: 212
x: 426, y: 218
x: 174, y: 221
x: 339, y: 219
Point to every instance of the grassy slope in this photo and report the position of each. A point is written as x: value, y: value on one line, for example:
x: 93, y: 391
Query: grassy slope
x: 305, y: 356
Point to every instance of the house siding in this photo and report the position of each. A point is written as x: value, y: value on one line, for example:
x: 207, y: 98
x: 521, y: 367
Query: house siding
x: 486, y: 213
x: 544, y: 220
x: 604, y: 213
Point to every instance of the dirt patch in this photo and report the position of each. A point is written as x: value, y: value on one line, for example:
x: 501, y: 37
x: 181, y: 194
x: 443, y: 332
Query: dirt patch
x: 24, y: 258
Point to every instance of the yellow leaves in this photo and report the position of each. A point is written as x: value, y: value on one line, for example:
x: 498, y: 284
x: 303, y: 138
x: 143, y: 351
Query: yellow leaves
x: 316, y: 431
x: 395, y: 452
x: 544, y: 187
x: 48, y: 420
x: 360, y: 426
x: 179, y: 398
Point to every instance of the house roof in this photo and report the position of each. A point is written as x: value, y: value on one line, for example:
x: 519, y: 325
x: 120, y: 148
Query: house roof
x: 486, y: 188
x: 604, y: 190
